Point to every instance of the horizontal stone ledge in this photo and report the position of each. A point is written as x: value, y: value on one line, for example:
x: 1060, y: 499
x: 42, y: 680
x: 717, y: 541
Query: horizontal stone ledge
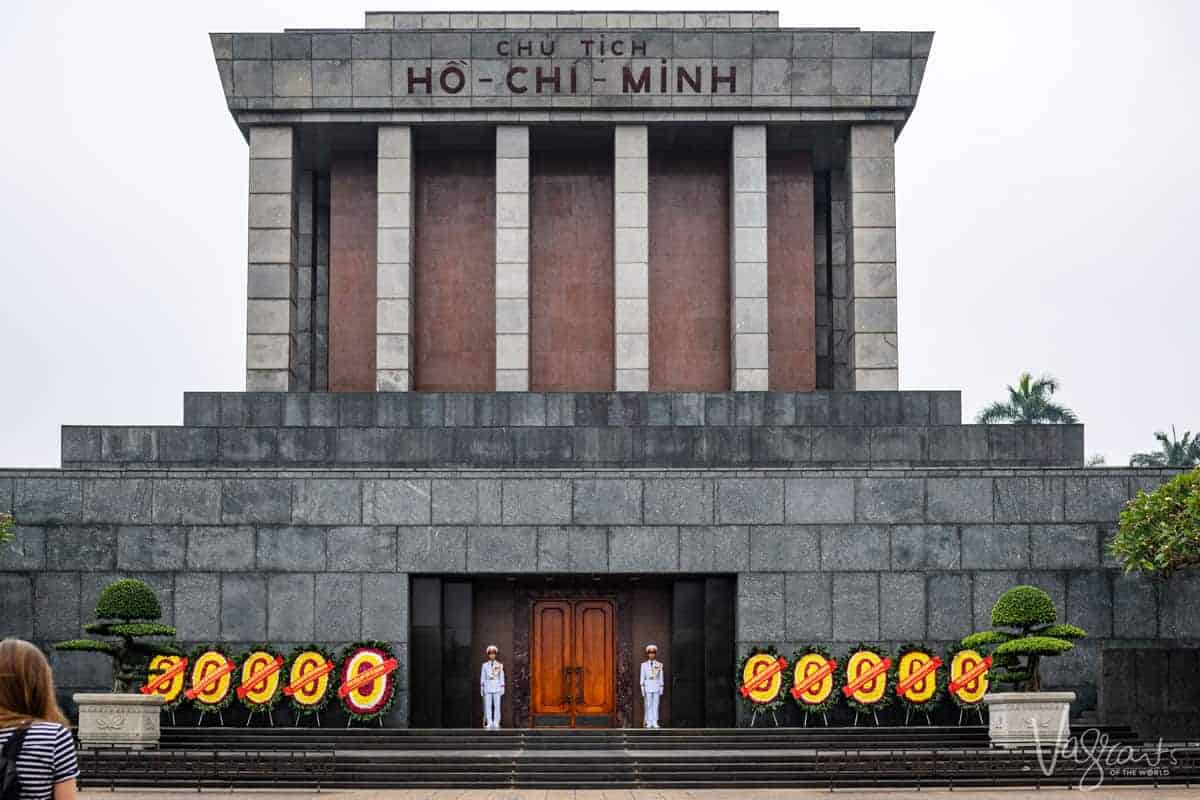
x: 817, y: 551
x: 694, y: 21
x: 330, y: 50
x: 566, y: 409
x: 576, y: 447
x: 320, y: 111
x: 1142, y: 478
x: 598, y: 108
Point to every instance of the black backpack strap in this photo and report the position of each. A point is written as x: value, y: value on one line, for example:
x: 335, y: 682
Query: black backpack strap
x: 12, y: 748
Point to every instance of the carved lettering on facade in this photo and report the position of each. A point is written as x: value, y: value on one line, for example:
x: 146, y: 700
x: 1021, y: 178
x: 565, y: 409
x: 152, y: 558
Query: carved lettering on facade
x: 592, y: 64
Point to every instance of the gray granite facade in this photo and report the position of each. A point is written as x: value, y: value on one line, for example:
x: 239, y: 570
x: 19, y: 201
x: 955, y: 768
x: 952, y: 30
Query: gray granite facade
x: 840, y: 94
x: 471, y: 65
x: 585, y: 430
x: 839, y: 551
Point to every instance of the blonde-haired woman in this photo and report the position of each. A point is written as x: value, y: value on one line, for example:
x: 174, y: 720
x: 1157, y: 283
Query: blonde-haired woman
x: 30, y: 717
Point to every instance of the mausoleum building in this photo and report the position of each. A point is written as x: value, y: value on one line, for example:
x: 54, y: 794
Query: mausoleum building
x: 571, y: 332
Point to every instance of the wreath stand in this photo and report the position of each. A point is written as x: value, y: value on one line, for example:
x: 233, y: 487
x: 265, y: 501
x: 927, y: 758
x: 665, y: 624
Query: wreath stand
x: 350, y: 721
x: 270, y: 717
x: 220, y: 719
x: 908, y: 711
x: 874, y: 714
x: 824, y: 716
x: 300, y: 715
x: 978, y: 710
x: 757, y: 711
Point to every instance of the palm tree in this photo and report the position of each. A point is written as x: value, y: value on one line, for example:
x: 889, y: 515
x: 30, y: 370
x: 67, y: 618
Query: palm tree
x: 1029, y: 404
x: 1173, y: 452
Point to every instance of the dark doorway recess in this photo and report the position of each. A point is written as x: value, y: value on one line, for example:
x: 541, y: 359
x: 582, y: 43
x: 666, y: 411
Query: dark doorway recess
x: 587, y: 634
x: 445, y: 683
x: 702, y: 628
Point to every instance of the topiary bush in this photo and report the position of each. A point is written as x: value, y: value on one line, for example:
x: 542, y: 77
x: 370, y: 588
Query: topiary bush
x: 1160, y: 530
x: 126, y: 611
x: 1017, y: 654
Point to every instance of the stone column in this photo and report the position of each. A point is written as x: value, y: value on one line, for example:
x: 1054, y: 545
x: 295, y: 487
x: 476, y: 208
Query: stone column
x: 871, y: 282
x: 749, y: 354
x: 394, y: 268
x: 631, y: 258
x: 512, y: 258
x: 271, y: 264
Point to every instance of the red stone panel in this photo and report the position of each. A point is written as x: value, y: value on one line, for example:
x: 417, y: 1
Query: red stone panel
x: 352, y: 240
x: 454, y: 269
x: 791, y: 308
x: 571, y: 271
x: 689, y: 271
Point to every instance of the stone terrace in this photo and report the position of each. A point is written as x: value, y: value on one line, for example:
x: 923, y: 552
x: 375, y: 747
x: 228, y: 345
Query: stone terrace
x: 834, y: 556
x: 767, y: 429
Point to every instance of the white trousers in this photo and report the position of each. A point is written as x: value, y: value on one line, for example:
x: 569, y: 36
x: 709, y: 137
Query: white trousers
x: 652, y: 699
x: 491, y: 709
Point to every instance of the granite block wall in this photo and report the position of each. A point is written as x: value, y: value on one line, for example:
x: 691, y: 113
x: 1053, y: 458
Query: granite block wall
x: 613, y: 409
x: 833, y: 556
x: 585, y: 430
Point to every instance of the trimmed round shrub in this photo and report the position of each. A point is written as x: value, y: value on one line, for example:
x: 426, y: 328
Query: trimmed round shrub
x: 1023, y: 606
x: 1034, y: 646
x: 128, y: 599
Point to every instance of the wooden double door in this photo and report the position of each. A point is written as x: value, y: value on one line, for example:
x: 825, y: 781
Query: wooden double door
x: 573, y: 663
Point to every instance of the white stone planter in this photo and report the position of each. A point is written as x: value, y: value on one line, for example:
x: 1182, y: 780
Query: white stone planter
x: 119, y: 720
x: 1029, y: 719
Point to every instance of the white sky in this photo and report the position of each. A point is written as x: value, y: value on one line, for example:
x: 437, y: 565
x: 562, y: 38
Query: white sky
x: 1047, y: 200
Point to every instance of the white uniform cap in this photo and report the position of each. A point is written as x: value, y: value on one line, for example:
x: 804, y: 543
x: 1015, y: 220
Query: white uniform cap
x: 652, y: 647
x: 492, y: 647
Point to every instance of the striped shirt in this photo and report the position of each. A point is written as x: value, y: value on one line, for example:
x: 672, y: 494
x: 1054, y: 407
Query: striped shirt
x: 47, y: 757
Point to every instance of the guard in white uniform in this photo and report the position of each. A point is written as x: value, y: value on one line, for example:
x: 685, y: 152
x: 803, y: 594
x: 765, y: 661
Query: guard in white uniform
x: 652, y: 685
x: 491, y: 688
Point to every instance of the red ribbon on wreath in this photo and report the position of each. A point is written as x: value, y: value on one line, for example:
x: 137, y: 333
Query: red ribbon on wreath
x: 866, y: 677
x: 815, y: 677
x: 165, y: 678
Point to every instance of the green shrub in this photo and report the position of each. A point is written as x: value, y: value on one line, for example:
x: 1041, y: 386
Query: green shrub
x: 1023, y: 605
x: 128, y: 599
x: 984, y: 638
x: 126, y: 611
x: 1160, y: 530
x: 1017, y: 654
x: 1034, y: 645
x: 6, y: 528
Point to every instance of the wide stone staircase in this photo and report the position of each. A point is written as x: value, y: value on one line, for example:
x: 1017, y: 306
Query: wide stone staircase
x: 903, y: 757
